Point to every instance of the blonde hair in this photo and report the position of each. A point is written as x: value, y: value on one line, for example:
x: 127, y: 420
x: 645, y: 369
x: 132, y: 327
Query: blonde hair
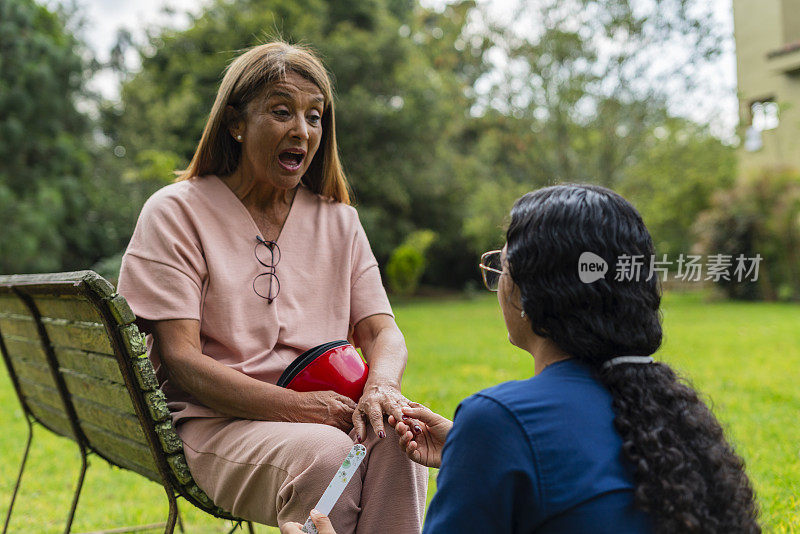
x: 245, y: 79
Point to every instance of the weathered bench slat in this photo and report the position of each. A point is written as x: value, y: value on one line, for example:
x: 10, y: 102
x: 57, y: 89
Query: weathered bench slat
x: 112, y: 420
x: 122, y: 460
x: 19, y: 326
x: 98, y: 355
x: 55, y: 419
x: 34, y: 372
x: 127, y: 463
x: 44, y: 394
x: 168, y: 437
x: 120, y: 310
x: 144, y: 373
x: 85, y: 336
x: 46, y: 405
x: 177, y: 463
x: 11, y: 304
x: 25, y: 349
x: 100, y: 391
x: 92, y: 364
x: 157, y: 405
x: 59, y: 283
x: 69, y: 307
x: 133, y: 340
x: 110, y: 444
x: 195, y: 491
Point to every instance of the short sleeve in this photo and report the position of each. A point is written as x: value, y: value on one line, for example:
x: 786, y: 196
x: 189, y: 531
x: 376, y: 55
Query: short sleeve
x: 163, y: 268
x: 367, y: 295
x: 488, y: 480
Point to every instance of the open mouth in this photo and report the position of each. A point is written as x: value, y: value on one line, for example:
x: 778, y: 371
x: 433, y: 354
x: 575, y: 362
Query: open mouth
x: 291, y: 159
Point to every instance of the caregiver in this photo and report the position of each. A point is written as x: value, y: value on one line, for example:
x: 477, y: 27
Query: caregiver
x: 602, y: 439
x: 252, y: 257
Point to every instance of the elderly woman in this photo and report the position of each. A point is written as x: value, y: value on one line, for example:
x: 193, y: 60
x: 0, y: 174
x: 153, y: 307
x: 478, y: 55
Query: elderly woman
x: 602, y: 439
x: 252, y: 257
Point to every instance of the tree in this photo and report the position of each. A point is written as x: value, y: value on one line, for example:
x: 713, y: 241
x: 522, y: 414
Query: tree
x: 672, y: 178
x: 58, y: 208
x: 431, y: 138
x: 759, y: 215
x: 43, y: 145
x: 402, y: 77
x: 579, y: 94
x: 593, y: 77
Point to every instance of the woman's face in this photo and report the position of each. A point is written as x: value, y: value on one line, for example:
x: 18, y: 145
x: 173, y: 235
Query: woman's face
x: 281, y: 132
x: 519, y: 329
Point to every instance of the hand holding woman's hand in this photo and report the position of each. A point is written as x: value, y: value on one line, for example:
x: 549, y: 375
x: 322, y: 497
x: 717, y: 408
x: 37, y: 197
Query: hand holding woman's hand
x: 422, y: 434
x: 322, y: 523
x: 378, y: 398
x: 324, y: 407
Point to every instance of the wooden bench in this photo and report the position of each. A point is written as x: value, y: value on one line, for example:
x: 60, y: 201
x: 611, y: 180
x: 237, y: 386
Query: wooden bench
x: 79, y: 368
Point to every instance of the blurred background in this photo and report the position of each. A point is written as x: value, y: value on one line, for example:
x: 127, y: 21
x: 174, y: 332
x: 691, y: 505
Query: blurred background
x: 447, y: 113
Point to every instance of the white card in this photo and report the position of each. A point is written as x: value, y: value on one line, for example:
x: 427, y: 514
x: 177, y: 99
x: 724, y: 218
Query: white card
x: 337, y: 485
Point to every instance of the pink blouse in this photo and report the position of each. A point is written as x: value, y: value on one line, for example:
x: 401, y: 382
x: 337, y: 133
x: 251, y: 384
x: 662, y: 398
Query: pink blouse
x: 192, y: 257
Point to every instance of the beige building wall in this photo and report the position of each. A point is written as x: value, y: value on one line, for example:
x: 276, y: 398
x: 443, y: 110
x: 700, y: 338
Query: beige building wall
x: 767, y: 34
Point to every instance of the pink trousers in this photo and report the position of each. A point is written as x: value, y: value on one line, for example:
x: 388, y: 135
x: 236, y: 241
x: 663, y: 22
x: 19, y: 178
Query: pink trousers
x: 274, y: 472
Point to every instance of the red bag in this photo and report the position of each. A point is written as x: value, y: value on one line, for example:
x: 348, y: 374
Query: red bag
x: 333, y: 366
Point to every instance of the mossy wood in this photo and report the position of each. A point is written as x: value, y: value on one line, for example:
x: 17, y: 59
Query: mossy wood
x: 25, y: 349
x: 68, y: 308
x: 121, y: 423
x: 80, y: 326
x: 36, y: 374
x: 53, y: 418
x: 100, y: 366
x: 90, y: 337
x: 99, y: 391
x: 21, y: 327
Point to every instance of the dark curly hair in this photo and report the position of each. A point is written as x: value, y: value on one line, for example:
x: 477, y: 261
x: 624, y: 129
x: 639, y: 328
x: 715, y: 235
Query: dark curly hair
x: 687, y: 476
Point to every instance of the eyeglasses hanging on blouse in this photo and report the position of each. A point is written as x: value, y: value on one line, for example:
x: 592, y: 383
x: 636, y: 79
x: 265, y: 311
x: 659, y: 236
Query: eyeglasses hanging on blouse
x: 266, y: 285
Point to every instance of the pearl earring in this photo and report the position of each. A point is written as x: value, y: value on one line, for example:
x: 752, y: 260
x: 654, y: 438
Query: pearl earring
x: 239, y: 137
x: 522, y: 314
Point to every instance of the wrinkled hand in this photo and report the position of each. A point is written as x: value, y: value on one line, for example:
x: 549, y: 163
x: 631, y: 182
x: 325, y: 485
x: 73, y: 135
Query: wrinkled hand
x: 422, y: 434
x: 322, y: 523
x: 378, y: 399
x: 324, y: 407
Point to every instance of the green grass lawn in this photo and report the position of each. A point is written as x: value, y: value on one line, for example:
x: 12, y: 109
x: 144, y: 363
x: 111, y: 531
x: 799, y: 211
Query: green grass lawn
x: 744, y: 357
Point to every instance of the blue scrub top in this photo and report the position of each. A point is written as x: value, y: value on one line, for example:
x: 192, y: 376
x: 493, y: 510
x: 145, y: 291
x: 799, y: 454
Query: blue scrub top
x: 538, y: 455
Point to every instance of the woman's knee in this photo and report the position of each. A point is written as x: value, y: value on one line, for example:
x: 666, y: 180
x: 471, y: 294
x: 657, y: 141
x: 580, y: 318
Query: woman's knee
x: 331, y: 451
x: 325, y: 456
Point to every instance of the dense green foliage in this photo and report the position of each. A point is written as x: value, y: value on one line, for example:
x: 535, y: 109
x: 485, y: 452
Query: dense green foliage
x: 57, y: 206
x: 407, y: 262
x: 400, y: 85
x: 672, y: 178
x: 423, y: 147
x: 759, y: 215
x: 436, y: 133
x: 746, y: 368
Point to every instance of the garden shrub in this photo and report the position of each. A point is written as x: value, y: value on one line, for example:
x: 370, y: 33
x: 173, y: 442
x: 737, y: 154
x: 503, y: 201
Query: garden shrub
x: 759, y: 214
x: 407, y: 262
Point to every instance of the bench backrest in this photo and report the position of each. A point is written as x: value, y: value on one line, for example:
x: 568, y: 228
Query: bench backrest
x: 29, y: 366
x: 80, y: 368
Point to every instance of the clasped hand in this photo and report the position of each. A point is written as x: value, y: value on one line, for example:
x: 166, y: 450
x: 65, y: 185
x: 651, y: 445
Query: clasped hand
x: 422, y: 433
x: 379, y: 398
x: 323, y: 407
x: 331, y: 408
